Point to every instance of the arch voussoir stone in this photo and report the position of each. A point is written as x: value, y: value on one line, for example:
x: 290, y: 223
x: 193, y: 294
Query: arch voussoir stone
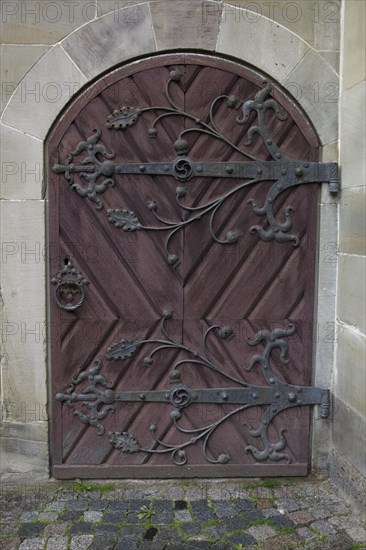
x: 111, y: 39
x: 43, y: 93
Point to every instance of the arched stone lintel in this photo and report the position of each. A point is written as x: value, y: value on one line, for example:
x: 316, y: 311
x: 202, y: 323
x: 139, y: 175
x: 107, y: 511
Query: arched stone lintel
x: 158, y: 26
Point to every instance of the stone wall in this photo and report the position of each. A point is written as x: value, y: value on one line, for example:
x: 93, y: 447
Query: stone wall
x: 348, y: 465
x: 52, y: 49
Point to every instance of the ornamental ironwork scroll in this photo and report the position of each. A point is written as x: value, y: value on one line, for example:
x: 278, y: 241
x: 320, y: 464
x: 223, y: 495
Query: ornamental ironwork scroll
x: 98, y: 169
x: 99, y: 398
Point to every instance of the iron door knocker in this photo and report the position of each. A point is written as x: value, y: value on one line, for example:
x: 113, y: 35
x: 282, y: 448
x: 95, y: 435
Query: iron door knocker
x: 69, y: 283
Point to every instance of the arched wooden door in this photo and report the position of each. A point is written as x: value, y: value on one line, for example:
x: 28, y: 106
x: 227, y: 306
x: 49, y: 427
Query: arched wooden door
x: 183, y: 220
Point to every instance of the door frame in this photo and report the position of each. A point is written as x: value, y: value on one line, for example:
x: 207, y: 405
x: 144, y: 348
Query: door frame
x: 55, y: 175
x: 75, y: 107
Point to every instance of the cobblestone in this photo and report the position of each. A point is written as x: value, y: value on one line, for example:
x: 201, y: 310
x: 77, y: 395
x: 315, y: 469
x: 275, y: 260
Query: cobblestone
x: 306, y: 534
x: 270, y: 512
x: 98, y: 506
x: 241, y: 538
x: 183, y: 515
x: 262, y: 532
x: 29, y: 516
x: 282, y: 521
x: 335, y: 542
x: 57, y: 543
x: 48, y: 516
x: 323, y: 527
x: 9, y: 544
x: 103, y: 542
x: 190, y: 528
x: 224, y: 510
x: 8, y: 528
x: 81, y: 528
x: 56, y: 506
x: 357, y: 533
x: 81, y: 542
x: 71, y: 515
x: 115, y: 517
x: 31, y: 529
x: 298, y: 514
x: 76, y: 505
x: 32, y: 544
x: 93, y: 516
x: 53, y: 529
x: 287, y: 505
x: 106, y: 529
x: 300, y: 517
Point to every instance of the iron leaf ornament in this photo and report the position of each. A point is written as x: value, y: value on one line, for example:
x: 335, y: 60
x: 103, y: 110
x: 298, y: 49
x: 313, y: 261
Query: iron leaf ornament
x: 123, y: 118
x: 286, y: 172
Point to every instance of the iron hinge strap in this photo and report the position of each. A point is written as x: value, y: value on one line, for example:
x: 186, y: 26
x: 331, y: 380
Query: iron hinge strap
x: 278, y: 395
x: 184, y: 169
x: 286, y: 396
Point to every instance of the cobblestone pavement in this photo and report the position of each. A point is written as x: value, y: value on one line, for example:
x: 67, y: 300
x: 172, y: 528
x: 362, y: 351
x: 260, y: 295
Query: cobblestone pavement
x: 217, y: 514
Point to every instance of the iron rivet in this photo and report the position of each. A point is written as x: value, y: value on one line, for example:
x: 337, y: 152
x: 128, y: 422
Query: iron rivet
x: 298, y: 172
x: 229, y: 170
x: 142, y: 168
x: 166, y: 168
x: 142, y: 396
x: 291, y: 397
x: 278, y: 155
x: 279, y: 187
x: 283, y: 171
x: 167, y: 396
x: 224, y: 396
x: 270, y: 200
x: 274, y: 409
x: 299, y: 401
x: 277, y: 395
x: 254, y: 395
x: 269, y: 141
x: 272, y: 380
x: 306, y: 165
x: 199, y: 168
x: 259, y: 171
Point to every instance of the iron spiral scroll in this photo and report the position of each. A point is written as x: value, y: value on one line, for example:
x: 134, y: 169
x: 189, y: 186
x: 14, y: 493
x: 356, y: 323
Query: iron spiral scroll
x: 98, y: 398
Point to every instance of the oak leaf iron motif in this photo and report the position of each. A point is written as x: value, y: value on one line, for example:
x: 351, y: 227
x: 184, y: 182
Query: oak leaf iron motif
x: 123, y: 349
x: 123, y: 441
x: 124, y: 219
x: 123, y: 118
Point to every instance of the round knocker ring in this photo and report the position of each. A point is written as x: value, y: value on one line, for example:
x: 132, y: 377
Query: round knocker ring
x: 69, y: 290
x: 69, y: 283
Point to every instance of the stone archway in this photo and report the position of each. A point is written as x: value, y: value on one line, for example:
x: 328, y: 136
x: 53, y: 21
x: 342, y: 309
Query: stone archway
x: 96, y: 48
